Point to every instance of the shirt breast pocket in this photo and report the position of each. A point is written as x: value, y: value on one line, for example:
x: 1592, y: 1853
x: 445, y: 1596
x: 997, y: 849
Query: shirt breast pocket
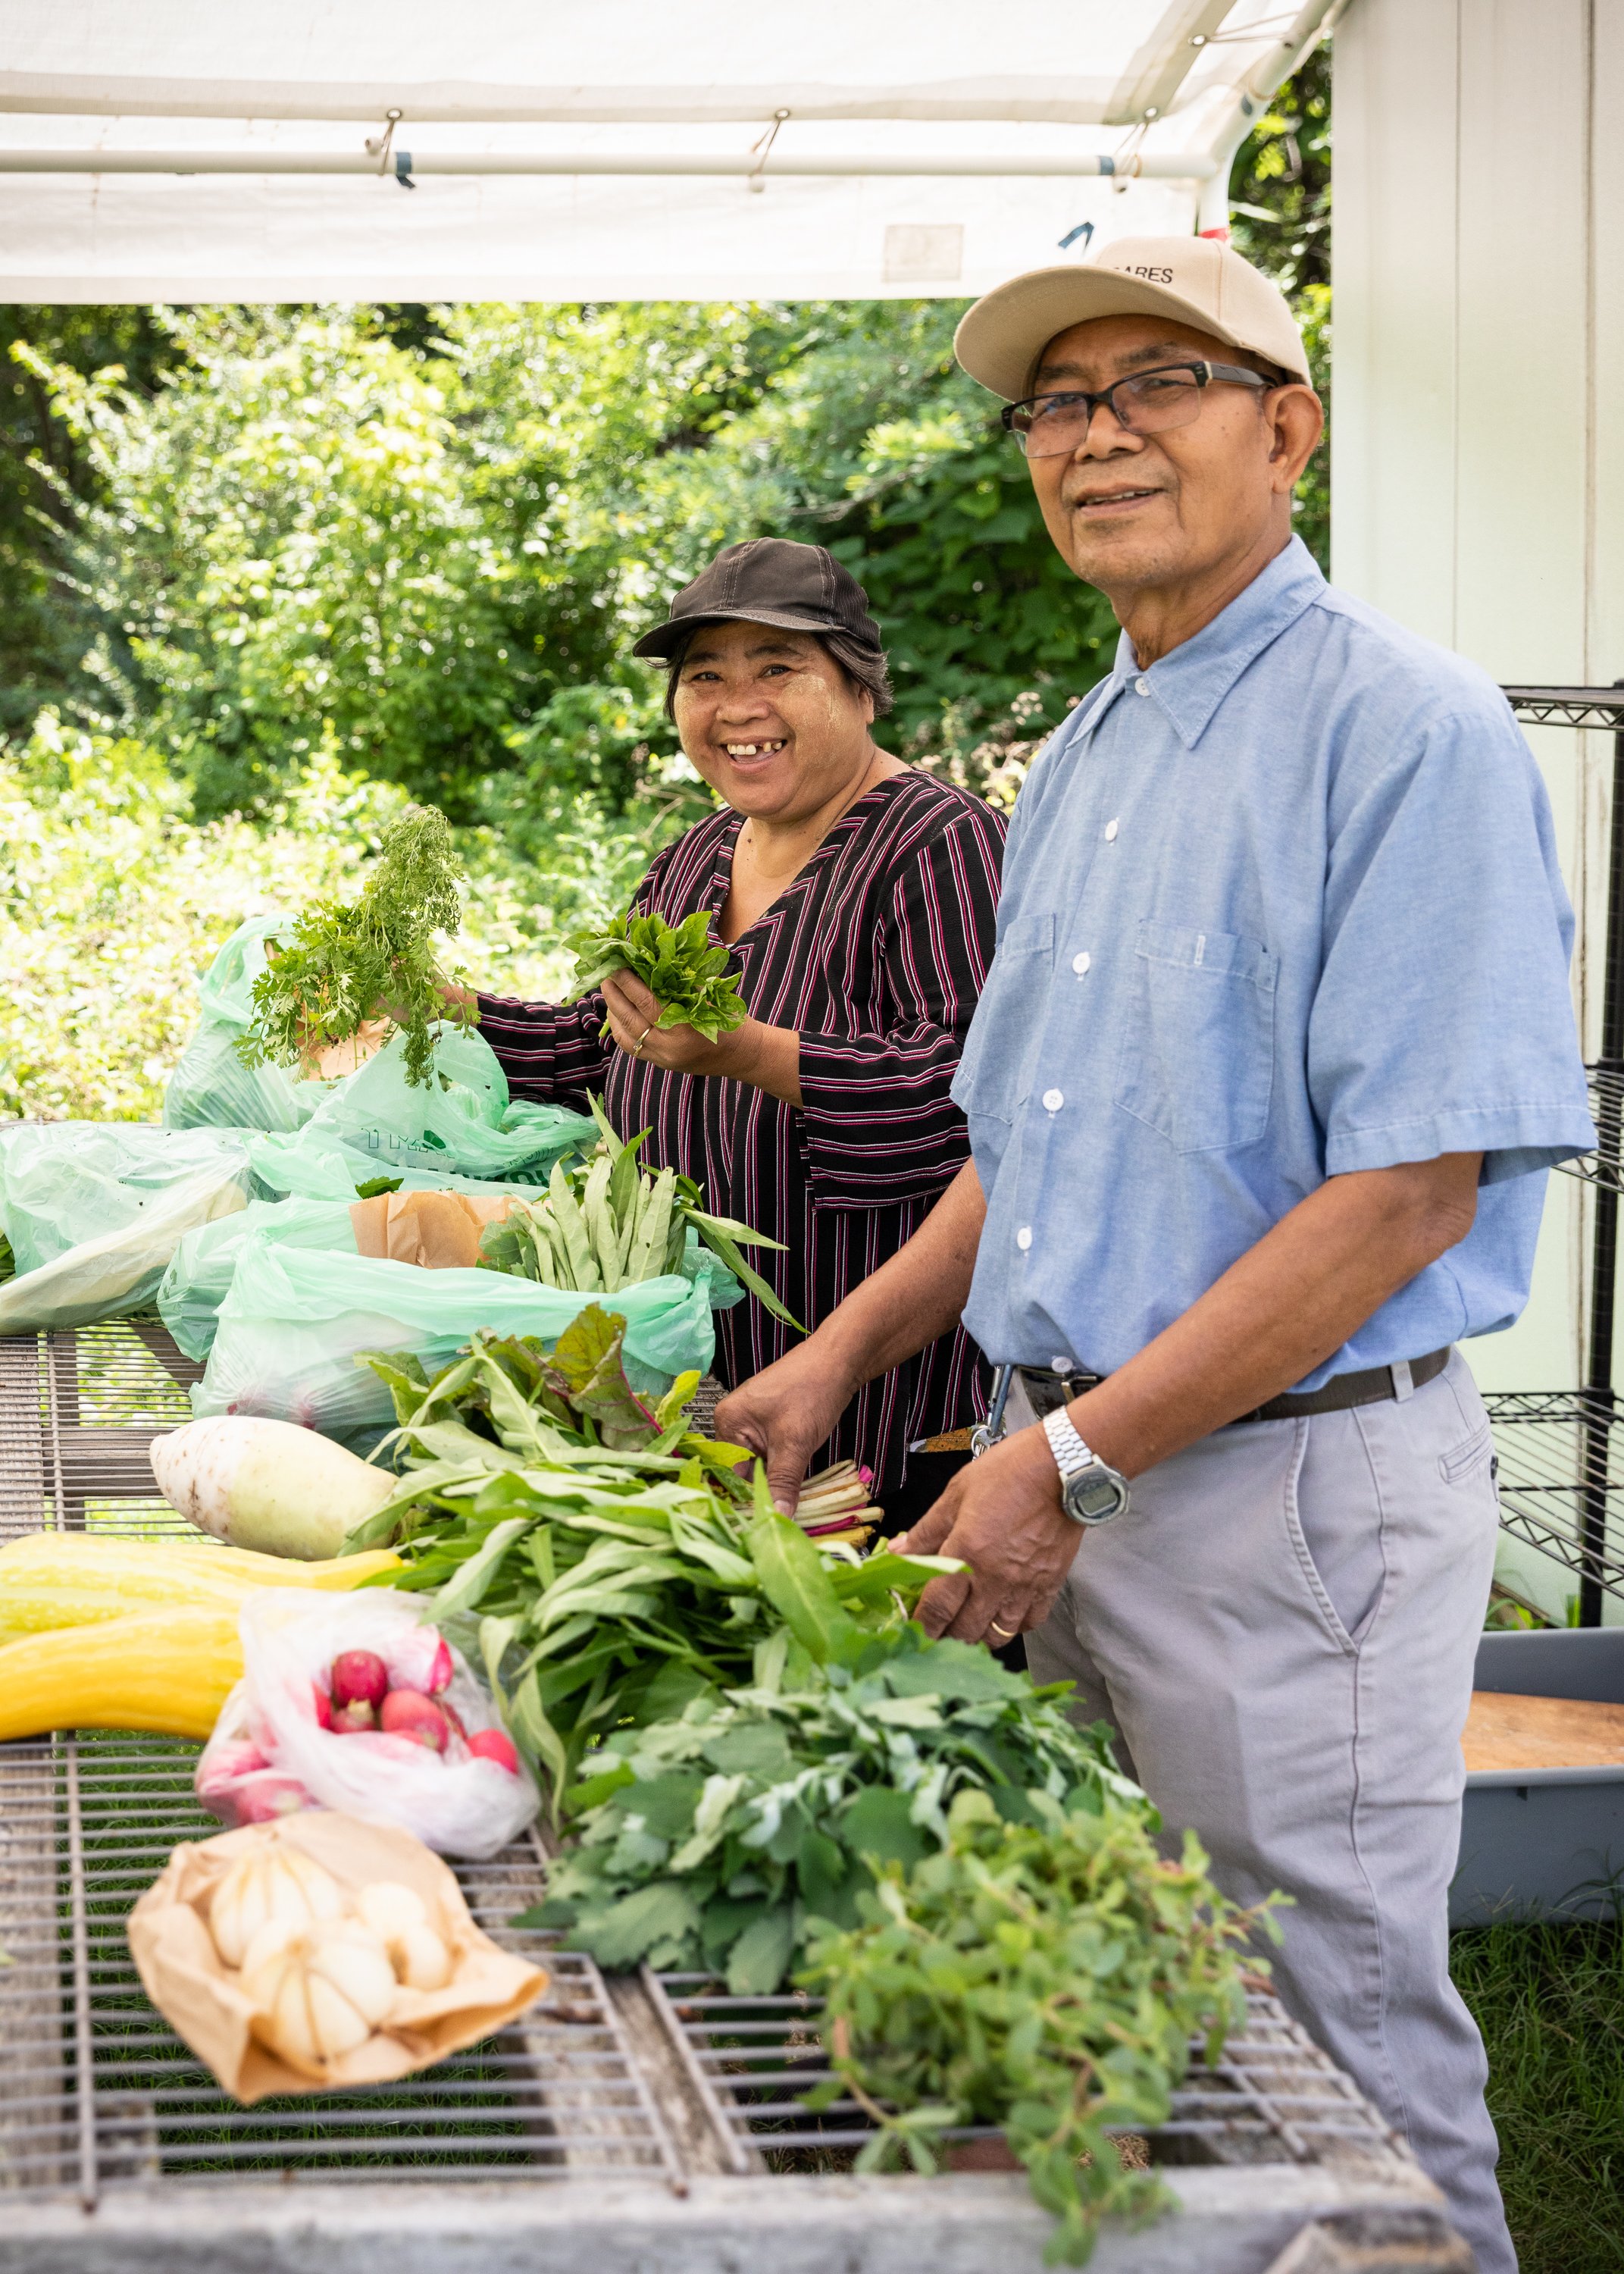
x: 1007, y: 1032
x: 1197, y: 1057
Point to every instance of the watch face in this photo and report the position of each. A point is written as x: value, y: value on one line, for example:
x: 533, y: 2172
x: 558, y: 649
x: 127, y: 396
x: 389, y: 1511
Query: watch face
x: 1095, y: 1494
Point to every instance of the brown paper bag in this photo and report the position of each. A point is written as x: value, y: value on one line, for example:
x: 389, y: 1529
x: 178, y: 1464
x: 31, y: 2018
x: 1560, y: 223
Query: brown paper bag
x: 438, y: 1231
x: 198, y: 1994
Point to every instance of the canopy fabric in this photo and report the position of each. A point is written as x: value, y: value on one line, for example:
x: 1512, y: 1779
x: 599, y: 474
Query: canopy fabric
x: 517, y: 149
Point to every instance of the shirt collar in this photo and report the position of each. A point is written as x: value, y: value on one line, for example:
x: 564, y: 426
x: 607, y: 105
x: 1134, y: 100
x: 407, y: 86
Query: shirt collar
x: 1190, y: 682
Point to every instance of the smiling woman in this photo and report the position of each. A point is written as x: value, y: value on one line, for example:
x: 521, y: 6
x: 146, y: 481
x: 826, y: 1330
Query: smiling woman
x: 858, y: 896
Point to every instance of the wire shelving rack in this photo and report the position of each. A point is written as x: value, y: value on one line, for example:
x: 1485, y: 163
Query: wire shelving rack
x: 1557, y: 1492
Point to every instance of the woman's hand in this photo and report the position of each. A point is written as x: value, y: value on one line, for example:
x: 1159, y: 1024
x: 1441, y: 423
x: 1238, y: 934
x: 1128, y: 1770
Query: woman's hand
x: 768, y: 1057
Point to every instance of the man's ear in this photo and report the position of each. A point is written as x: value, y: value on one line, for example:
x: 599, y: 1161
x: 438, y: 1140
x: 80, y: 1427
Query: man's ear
x: 1296, y: 418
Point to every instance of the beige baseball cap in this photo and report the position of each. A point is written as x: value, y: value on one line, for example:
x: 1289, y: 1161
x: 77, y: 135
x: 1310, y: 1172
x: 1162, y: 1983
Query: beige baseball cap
x: 1193, y: 280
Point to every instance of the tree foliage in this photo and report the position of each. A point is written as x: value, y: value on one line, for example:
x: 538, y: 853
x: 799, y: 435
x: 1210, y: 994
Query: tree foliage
x: 415, y: 545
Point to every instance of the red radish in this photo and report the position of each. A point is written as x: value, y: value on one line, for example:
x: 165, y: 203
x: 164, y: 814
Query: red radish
x: 495, y: 1745
x: 407, y: 1713
x: 230, y: 1761
x: 267, y: 1797
x: 359, y: 1678
x: 453, y: 1716
x: 348, y: 1719
x: 428, y: 1681
x: 324, y: 1706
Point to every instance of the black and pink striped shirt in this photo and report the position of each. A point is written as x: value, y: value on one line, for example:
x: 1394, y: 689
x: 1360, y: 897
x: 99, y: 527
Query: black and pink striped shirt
x: 875, y: 954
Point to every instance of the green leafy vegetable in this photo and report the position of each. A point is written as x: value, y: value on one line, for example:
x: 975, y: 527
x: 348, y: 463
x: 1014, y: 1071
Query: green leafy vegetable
x: 346, y: 962
x: 611, y: 1557
x: 715, y: 1840
x: 1046, y: 1977
x: 374, y: 1185
x: 613, y: 1224
x: 7, y: 1260
x: 678, y: 963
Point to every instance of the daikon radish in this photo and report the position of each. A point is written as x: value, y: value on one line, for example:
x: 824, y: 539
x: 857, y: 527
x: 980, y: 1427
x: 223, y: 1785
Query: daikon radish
x: 267, y: 1485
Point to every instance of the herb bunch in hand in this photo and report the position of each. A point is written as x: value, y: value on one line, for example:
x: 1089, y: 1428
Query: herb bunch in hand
x: 690, y: 977
x: 342, y: 964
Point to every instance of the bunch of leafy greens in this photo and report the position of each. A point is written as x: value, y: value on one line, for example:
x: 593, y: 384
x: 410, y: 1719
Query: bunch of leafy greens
x: 1046, y: 1977
x: 614, y: 1561
x: 679, y: 965
x: 613, y: 1224
x: 717, y: 1840
x: 345, y: 963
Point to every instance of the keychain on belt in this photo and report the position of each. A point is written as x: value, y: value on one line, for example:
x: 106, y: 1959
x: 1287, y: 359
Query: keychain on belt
x: 985, y: 1434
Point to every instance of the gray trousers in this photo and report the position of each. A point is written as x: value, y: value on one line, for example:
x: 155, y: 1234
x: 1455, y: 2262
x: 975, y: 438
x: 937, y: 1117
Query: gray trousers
x: 1282, y: 1629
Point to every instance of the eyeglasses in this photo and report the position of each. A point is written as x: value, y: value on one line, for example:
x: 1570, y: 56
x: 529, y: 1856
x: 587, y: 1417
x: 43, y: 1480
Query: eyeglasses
x: 1055, y: 425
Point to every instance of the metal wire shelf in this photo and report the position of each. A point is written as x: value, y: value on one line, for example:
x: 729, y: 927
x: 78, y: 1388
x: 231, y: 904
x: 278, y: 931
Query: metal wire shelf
x: 1274, y: 2097
x: 97, y: 2092
x: 79, y: 1408
x: 1604, y: 1167
x: 1568, y: 706
x: 1561, y: 1478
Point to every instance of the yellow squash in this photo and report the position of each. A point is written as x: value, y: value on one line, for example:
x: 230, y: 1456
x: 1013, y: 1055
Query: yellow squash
x: 166, y: 1670
x: 52, y: 1579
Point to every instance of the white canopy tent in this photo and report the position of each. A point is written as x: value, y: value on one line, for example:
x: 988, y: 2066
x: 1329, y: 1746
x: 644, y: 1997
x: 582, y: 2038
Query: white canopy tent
x: 397, y: 149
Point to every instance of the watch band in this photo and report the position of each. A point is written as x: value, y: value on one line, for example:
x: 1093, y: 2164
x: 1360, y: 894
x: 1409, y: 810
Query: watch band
x: 1091, y: 1491
x: 1070, y: 1451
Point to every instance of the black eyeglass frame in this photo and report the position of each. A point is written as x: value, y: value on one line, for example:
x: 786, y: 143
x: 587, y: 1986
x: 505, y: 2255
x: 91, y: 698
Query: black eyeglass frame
x: 1229, y: 374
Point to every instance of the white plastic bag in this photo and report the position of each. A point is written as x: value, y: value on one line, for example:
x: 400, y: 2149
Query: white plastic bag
x: 269, y: 1754
x: 94, y: 1212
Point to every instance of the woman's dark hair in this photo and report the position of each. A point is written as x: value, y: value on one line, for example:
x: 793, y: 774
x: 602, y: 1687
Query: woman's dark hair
x: 864, y: 669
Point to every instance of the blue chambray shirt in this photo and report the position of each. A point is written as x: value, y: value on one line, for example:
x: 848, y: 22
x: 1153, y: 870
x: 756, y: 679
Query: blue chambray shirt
x: 1283, y: 906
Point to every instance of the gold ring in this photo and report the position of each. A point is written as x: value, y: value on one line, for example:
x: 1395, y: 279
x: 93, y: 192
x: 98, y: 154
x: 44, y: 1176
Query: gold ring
x: 641, y: 1039
x: 1007, y: 1632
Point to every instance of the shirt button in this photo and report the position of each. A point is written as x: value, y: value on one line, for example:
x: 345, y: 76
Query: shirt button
x: 1061, y: 1365
x: 1053, y: 1100
x: 1141, y: 686
x: 1023, y: 1238
x: 1080, y: 963
x: 1110, y: 832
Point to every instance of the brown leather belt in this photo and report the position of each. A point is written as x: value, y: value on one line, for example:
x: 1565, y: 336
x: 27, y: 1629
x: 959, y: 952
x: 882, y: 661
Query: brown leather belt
x: 1049, y: 1390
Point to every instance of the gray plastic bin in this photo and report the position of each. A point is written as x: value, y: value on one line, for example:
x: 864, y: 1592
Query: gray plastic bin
x: 1537, y: 1840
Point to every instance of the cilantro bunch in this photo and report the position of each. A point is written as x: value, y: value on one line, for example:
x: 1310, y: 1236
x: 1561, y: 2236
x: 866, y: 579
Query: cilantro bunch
x: 717, y: 1840
x: 344, y: 963
x: 1046, y: 1977
x: 678, y: 963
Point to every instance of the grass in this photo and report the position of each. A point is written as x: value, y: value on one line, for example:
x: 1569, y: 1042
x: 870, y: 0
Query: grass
x: 1549, y: 2000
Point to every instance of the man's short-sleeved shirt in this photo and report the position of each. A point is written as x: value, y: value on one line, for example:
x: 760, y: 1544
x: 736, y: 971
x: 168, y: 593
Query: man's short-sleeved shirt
x: 1283, y: 906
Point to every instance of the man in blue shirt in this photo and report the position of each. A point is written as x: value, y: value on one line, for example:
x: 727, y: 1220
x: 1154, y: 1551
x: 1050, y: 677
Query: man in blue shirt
x: 1274, y: 1052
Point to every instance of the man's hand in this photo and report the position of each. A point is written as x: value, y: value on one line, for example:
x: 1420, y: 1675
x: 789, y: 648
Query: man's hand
x: 785, y: 1413
x: 768, y: 1057
x: 1002, y: 1516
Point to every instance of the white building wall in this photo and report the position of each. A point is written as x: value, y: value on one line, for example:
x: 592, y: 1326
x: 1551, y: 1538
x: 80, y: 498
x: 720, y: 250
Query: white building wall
x: 1477, y: 427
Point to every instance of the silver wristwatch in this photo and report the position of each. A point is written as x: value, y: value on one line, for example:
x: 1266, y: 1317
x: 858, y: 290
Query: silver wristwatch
x: 1090, y: 1492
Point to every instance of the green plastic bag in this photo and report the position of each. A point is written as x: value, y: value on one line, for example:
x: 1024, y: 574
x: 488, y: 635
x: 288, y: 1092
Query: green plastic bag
x: 460, y: 1123
x: 201, y: 1270
x: 292, y: 1322
x: 95, y: 1210
x: 315, y: 1166
x: 210, y: 1087
x: 317, y: 1216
